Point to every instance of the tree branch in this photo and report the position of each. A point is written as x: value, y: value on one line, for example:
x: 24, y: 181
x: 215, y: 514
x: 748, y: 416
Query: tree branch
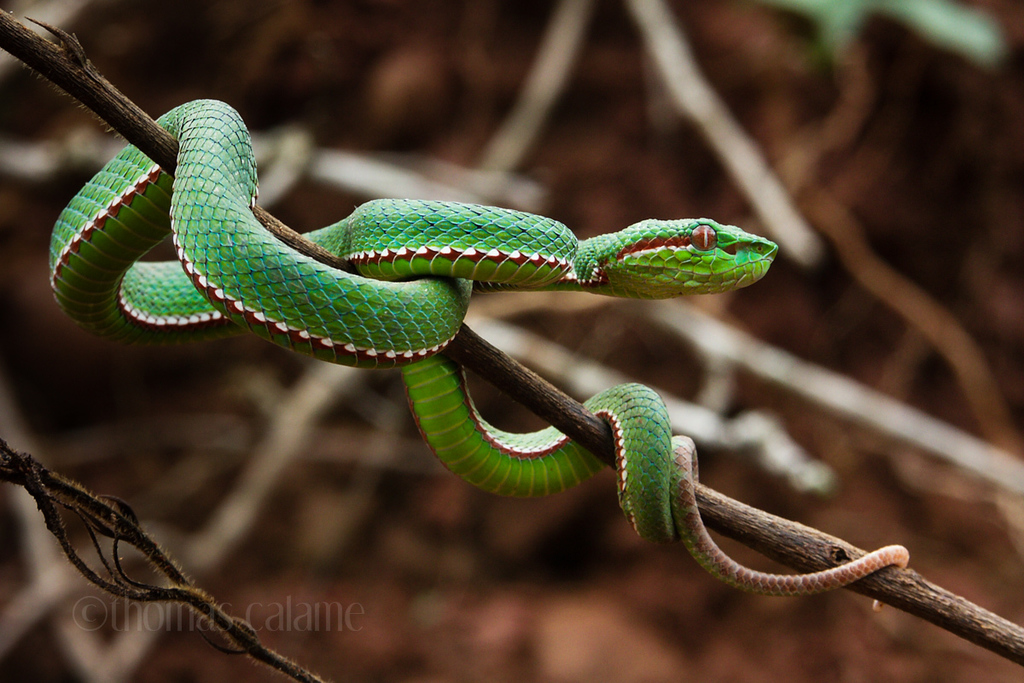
x: 113, y: 519
x: 790, y: 543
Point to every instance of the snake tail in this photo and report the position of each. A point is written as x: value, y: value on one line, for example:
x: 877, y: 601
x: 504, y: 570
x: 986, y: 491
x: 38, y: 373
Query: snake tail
x: 702, y: 547
x: 655, y: 471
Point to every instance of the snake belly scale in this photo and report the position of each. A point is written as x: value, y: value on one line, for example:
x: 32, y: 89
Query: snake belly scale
x: 416, y: 264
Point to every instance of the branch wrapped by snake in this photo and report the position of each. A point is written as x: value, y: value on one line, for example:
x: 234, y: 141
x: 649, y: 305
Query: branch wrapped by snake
x: 416, y: 263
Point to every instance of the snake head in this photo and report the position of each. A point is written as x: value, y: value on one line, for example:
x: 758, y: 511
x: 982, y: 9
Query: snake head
x: 656, y: 259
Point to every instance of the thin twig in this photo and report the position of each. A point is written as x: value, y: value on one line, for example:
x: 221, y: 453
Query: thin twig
x: 754, y: 434
x: 53, y: 492
x: 554, y: 61
x: 697, y: 100
x: 287, y: 434
x: 845, y: 397
x: 51, y: 579
x: 935, y: 322
x: 57, y: 12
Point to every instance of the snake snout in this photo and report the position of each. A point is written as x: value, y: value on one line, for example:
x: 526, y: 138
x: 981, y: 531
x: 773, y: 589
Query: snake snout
x: 755, y: 255
x: 760, y: 249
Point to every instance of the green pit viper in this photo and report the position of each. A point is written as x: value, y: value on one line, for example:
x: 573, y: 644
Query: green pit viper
x: 416, y: 262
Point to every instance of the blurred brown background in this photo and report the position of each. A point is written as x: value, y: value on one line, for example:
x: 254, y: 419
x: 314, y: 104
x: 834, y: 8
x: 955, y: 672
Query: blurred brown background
x: 913, y: 145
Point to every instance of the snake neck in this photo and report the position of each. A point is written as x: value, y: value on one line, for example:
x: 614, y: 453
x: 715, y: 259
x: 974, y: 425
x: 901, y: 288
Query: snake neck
x: 590, y: 268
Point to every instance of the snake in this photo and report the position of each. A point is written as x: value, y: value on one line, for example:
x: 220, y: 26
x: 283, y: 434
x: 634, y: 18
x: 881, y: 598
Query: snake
x: 415, y: 264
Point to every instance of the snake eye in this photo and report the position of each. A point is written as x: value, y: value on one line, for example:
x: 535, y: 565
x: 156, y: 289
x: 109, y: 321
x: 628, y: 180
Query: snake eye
x: 704, y: 238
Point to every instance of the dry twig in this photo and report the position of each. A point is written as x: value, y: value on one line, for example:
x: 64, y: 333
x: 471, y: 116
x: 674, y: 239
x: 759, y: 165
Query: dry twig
x: 845, y: 397
x: 755, y: 434
x: 545, y: 82
x: 942, y: 330
x: 115, y: 520
x: 696, y: 100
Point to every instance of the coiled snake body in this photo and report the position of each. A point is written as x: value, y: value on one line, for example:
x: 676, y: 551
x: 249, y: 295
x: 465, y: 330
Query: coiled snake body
x: 416, y: 261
